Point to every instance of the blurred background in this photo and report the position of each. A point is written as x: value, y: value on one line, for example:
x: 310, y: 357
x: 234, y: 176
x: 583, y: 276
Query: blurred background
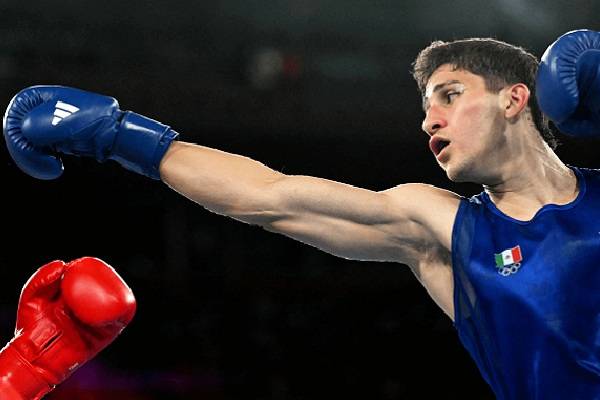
x: 316, y: 87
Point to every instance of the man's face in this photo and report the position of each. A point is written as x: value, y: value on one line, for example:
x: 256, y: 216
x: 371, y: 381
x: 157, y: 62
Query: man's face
x: 465, y: 123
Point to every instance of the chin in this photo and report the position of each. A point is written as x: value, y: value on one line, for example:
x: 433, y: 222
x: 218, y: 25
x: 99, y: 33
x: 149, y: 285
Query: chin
x: 460, y: 173
x: 457, y: 178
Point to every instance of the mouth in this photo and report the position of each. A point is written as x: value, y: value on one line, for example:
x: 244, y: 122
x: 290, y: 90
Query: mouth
x: 437, y: 145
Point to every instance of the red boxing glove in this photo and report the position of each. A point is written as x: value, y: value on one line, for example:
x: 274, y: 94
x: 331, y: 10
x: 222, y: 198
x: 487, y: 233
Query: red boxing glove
x: 67, y: 314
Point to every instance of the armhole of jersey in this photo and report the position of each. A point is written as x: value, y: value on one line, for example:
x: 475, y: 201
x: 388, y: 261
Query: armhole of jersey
x: 464, y: 296
x: 455, y: 255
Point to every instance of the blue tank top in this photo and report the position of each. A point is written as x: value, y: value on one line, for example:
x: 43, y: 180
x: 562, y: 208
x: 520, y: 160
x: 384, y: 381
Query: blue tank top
x: 527, y: 295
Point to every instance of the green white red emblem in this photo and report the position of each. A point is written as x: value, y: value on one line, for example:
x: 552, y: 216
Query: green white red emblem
x: 509, y: 261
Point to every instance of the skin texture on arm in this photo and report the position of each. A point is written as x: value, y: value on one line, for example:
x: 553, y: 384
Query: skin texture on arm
x: 409, y: 224
x: 341, y: 219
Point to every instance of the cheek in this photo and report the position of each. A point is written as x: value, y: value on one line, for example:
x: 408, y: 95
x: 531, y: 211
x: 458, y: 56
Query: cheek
x: 477, y: 124
x: 468, y: 124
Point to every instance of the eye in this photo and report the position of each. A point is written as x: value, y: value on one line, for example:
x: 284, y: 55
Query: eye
x: 449, y: 96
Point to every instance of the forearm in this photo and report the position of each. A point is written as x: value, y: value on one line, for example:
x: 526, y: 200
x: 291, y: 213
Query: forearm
x: 249, y: 191
x: 222, y: 182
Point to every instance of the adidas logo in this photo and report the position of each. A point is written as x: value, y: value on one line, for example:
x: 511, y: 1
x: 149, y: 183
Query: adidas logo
x: 62, y: 110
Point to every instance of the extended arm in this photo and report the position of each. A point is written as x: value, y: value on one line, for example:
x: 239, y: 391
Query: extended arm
x: 396, y: 225
x: 338, y: 218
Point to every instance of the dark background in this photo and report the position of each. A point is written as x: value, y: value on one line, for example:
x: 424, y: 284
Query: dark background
x: 226, y: 310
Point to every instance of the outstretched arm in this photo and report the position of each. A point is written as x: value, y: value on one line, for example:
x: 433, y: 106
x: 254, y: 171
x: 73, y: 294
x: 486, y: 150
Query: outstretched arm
x: 394, y: 225
x: 410, y: 224
x: 401, y: 224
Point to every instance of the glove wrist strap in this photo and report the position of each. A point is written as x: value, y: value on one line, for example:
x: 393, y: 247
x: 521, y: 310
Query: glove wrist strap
x: 18, y: 378
x: 141, y: 143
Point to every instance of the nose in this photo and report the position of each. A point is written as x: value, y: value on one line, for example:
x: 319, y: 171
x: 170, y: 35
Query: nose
x: 433, y: 121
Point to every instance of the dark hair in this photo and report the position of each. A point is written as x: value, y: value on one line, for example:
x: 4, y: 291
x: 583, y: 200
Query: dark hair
x: 498, y: 63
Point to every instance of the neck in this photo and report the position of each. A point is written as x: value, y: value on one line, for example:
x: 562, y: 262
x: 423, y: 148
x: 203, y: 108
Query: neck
x: 533, y: 179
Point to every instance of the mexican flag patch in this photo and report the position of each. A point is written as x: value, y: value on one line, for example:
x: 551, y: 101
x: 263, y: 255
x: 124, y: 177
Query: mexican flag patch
x: 509, y: 261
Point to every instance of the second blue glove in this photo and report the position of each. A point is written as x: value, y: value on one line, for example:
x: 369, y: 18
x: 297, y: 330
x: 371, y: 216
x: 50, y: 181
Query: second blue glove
x: 568, y: 83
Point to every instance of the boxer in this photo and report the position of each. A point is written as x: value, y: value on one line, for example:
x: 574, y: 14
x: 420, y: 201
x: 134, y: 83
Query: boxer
x: 515, y: 267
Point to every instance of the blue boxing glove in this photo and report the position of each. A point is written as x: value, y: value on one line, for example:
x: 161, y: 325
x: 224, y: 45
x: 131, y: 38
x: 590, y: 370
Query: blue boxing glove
x: 568, y: 83
x: 43, y: 121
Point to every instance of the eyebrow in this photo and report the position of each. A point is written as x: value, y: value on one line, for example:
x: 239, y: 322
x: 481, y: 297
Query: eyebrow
x: 435, y: 89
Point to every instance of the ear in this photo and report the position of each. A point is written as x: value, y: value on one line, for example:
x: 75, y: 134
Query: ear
x: 515, y: 98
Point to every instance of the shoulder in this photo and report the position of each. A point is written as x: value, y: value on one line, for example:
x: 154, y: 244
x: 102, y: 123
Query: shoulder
x: 432, y: 207
x: 422, y: 191
x: 423, y: 199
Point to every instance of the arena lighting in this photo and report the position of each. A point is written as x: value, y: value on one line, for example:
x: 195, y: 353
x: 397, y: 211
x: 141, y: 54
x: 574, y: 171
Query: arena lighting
x: 265, y: 68
x: 268, y: 66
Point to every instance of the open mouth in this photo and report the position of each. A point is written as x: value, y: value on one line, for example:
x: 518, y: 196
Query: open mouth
x: 437, y: 144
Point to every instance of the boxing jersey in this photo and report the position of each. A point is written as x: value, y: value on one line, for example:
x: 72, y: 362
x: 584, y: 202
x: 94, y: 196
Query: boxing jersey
x: 527, y: 295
